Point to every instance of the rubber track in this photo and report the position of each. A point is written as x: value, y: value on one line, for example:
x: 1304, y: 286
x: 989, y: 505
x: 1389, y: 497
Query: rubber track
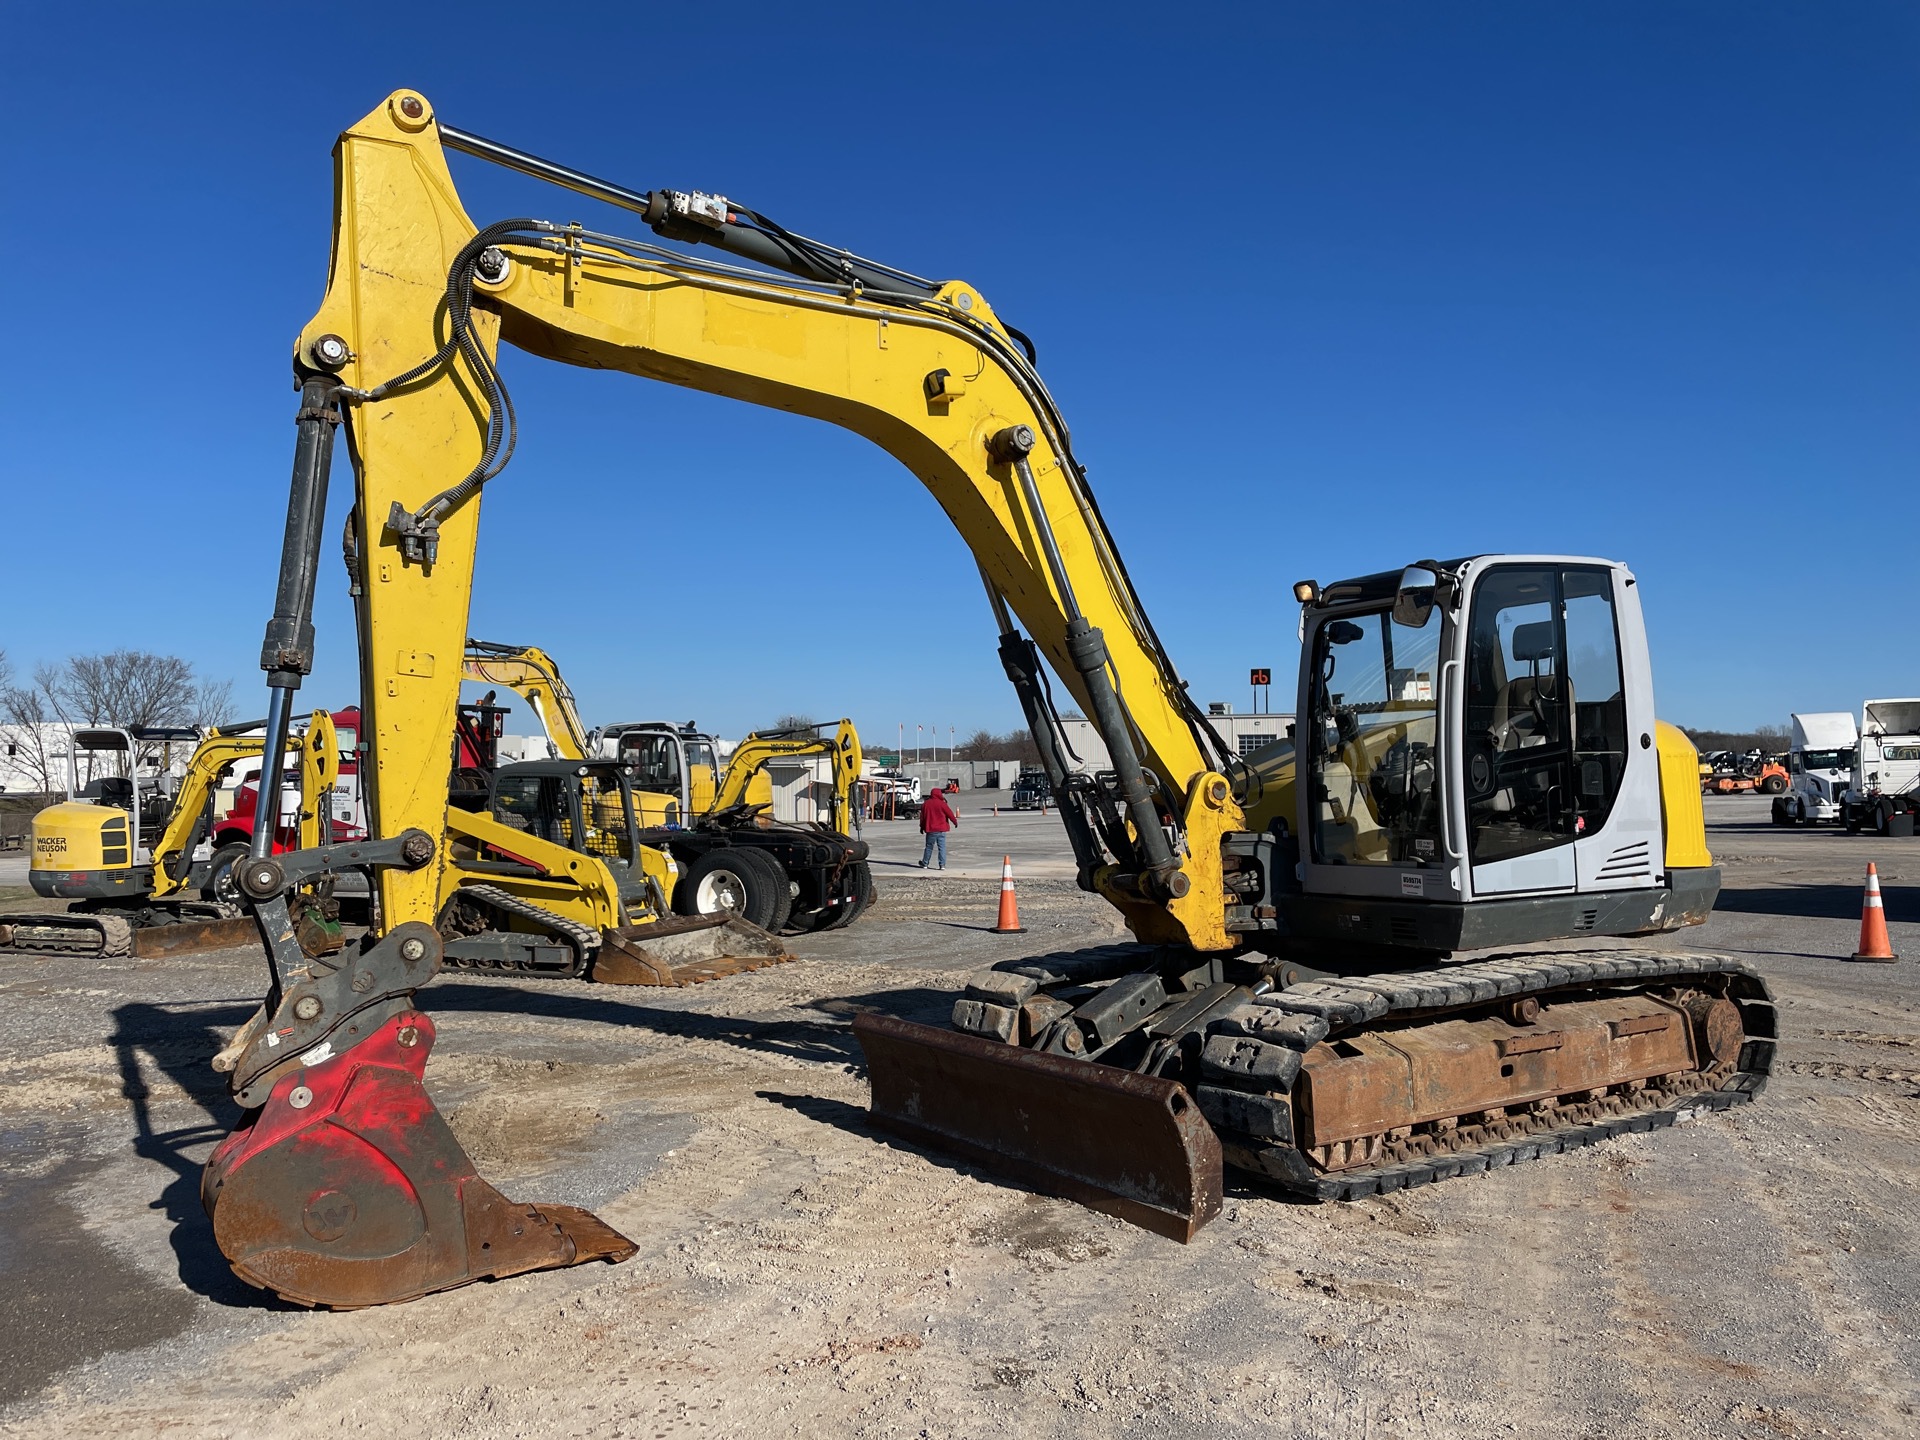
x: 112, y: 935
x: 1353, y: 1002
x: 584, y: 938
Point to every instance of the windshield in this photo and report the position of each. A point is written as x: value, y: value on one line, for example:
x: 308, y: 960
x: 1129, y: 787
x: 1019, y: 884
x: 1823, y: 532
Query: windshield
x: 1375, y: 771
x: 1827, y: 759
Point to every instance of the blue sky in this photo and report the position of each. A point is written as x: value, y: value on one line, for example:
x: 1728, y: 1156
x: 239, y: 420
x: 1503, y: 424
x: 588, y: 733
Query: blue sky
x: 1321, y: 288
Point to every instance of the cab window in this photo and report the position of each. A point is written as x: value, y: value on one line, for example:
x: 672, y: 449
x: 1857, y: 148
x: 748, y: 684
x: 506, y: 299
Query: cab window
x: 536, y: 804
x: 1376, y: 796
x: 1545, y: 735
x: 656, y: 762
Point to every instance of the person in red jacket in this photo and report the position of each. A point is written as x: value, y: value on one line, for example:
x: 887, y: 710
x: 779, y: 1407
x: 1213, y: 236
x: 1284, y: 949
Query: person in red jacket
x: 936, y: 818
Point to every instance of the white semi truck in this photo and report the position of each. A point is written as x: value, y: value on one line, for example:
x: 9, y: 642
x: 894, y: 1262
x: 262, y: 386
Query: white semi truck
x: 1819, y: 768
x: 1883, y: 793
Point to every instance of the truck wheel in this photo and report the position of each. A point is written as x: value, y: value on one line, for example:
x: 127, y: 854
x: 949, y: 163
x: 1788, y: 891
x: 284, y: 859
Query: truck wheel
x: 862, y: 896
x: 733, y: 880
x: 220, y: 884
x: 779, y: 886
x: 1780, y: 813
x: 1772, y: 785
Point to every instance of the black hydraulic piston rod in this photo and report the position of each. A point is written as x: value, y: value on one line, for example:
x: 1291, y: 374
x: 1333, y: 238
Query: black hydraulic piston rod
x: 1087, y: 649
x: 1020, y: 658
x: 658, y: 207
x: 287, y: 653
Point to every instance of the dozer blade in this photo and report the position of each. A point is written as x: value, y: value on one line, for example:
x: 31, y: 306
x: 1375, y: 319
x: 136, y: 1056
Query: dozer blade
x: 1130, y: 1145
x: 347, y: 1189
x: 684, y: 950
x: 191, y: 936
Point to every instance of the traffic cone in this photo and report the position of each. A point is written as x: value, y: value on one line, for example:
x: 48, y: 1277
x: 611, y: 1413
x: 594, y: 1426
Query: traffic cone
x: 1874, y: 944
x: 1009, y: 923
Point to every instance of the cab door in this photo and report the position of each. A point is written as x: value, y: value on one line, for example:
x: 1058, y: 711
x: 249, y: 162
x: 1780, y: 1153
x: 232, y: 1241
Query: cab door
x: 1558, y: 794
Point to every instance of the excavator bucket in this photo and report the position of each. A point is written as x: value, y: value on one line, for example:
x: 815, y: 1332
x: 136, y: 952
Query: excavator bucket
x: 347, y: 1189
x: 1135, y: 1146
x: 685, y: 950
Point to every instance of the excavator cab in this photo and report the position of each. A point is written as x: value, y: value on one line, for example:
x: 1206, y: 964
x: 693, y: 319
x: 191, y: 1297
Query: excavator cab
x: 1480, y: 761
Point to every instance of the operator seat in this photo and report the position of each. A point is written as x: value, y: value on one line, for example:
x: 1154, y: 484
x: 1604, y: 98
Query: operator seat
x: 115, y: 790
x: 1528, y: 710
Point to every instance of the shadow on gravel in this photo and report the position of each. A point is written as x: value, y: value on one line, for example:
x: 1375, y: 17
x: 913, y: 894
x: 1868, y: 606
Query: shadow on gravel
x: 181, y: 1042
x: 1238, y: 1185
x: 1821, y: 902
x: 819, y: 1041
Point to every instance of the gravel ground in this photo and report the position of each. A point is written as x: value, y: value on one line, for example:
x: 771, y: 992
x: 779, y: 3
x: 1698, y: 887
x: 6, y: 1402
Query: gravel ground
x: 1753, y: 1274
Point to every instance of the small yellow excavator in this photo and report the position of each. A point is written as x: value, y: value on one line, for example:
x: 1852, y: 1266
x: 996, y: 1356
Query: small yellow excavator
x: 122, y: 852
x: 1479, y: 765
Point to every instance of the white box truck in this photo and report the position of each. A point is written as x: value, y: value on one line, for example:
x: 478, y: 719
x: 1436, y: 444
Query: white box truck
x: 1819, y: 768
x: 1883, y: 793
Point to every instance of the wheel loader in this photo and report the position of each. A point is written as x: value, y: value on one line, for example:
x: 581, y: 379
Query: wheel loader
x: 1479, y: 767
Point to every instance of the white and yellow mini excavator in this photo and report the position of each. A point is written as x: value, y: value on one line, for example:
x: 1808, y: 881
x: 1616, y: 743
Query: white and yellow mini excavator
x: 1478, y: 764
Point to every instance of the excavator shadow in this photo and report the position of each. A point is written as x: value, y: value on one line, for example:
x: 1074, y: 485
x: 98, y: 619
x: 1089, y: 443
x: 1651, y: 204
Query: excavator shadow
x: 181, y: 1041
x: 1821, y: 902
x: 825, y: 1042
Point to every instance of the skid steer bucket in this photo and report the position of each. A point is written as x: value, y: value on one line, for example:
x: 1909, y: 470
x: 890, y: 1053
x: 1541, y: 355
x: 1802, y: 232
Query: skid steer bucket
x: 347, y: 1189
x: 684, y: 950
x: 1135, y: 1146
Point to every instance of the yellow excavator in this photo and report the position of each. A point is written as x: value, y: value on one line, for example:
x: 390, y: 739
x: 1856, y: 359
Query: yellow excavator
x: 123, y: 854
x: 731, y: 857
x: 1478, y: 765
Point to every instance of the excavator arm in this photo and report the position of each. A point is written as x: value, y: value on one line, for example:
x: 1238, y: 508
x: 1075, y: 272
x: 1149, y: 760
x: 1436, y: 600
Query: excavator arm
x: 532, y: 675
x: 751, y: 755
x: 403, y: 349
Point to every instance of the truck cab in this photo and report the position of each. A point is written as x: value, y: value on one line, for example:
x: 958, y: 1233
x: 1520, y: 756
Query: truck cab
x: 1819, y: 768
x: 1031, y: 790
x: 1883, y: 792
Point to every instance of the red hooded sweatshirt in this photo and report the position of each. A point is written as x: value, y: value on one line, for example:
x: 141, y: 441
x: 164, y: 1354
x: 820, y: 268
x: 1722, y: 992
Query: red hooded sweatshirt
x: 936, y: 815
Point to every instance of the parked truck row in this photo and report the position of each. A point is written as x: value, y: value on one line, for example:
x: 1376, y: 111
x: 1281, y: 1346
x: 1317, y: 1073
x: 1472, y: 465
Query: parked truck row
x: 1861, y: 775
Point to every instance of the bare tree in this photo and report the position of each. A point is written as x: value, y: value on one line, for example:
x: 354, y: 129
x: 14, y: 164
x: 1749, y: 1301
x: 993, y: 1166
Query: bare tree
x: 133, y: 688
x: 26, y: 711
x: 212, y: 703
x: 795, y: 722
x: 1014, y: 745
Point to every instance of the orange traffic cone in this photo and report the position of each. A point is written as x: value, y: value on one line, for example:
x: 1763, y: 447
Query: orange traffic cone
x: 1874, y: 944
x: 1009, y: 904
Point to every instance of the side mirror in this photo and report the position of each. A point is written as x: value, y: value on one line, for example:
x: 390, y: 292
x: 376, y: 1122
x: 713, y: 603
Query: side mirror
x: 1414, y: 601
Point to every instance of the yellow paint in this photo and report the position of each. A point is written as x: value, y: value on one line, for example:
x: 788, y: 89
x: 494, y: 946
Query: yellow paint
x: 1680, y: 808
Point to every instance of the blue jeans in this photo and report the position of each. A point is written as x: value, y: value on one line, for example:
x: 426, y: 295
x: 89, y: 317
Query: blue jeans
x: 936, y: 840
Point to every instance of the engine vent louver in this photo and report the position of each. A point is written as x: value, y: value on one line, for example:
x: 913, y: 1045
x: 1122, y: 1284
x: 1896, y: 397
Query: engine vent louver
x: 1628, y: 862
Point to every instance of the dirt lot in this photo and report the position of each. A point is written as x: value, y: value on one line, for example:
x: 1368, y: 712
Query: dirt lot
x: 1753, y: 1274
